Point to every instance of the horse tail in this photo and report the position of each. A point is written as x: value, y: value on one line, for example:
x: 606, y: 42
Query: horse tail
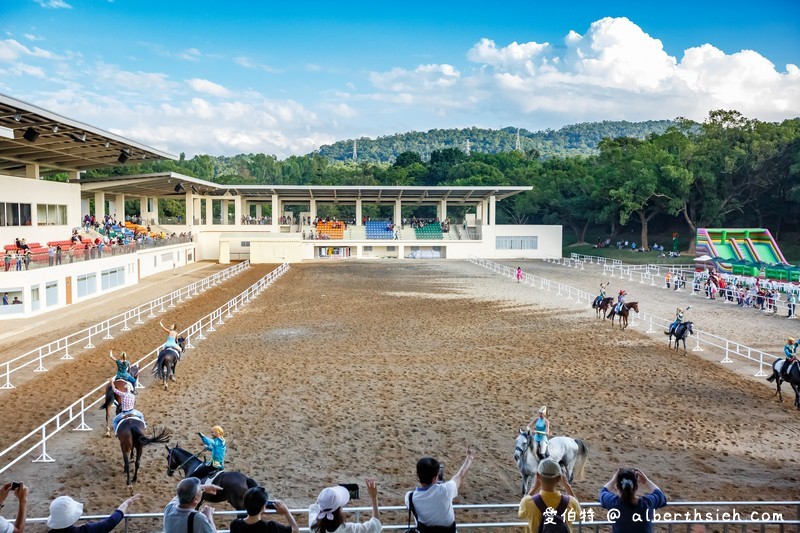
x: 109, y: 400
x: 583, y: 457
x: 144, y: 440
x: 157, y: 367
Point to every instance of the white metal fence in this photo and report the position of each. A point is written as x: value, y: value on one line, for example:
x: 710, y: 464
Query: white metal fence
x: 119, y: 323
x: 38, y: 437
x: 721, y: 515
x: 702, y: 339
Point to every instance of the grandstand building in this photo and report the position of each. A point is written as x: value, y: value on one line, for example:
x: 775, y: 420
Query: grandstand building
x: 262, y: 223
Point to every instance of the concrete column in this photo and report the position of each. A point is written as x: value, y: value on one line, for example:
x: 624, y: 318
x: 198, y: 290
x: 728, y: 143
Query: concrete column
x: 224, y: 211
x: 398, y: 212
x: 401, y: 251
x: 479, y: 212
x: 99, y: 206
x: 237, y: 211
x: 120, y: 203
x: 84, y: 208
x: 142, y: 206
x: 358, y: 211
x: 74, y: 174
x: 112, y: 204
x: 189, y: 215
x: 209, y: 210
x: 32, y: 171
x: 493, y: 208
x: 258, y: 210
x: 312, y: 207
x: 276, y: 213
x: 224, y: 252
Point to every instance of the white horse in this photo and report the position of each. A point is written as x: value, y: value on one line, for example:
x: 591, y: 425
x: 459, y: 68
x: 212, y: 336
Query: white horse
x: 571, y: 454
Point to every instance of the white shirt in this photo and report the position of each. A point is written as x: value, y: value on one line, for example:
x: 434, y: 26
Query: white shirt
x: 373, y: 525
x: 434, y: 505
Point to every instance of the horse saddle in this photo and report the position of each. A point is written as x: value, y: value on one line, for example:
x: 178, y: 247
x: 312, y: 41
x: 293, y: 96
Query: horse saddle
x: 782, y: 369
x: 130, y: 416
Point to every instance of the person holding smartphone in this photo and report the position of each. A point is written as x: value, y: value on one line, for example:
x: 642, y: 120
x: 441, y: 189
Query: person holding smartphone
x: 21, y: 493
x: 635, y: 513
x: 256, y: 503
x: 431, y: 502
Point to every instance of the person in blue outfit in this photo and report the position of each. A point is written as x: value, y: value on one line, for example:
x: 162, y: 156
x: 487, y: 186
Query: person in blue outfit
x: 620, y: 301
x: 790, y: 351
x: 218, y: 447
x: 172, y: 338
x: 602, y: 295
x: 123, y: 369
x: 680, y: 314
x: 635, y: 513
x: 541, y: 432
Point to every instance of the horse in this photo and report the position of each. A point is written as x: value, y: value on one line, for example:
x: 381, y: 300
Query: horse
x: 131, y: 435
x: 234, y: 484
x: 794, y: 380
x: 164, y: 368
x: 681, y: 331
x: 602, y: 306
x: 110, y: 400
x: 571, y: 454
x: 623, y: 314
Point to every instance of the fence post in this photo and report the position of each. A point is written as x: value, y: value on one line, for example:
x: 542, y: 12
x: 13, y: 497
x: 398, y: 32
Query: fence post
x: 41, y: 367
x: 90, y: 345
x: 162, y: 310
x: 211, y: 323
x: 200, y: 335
x: 108, y: 331
x: 139, y: 316
x: 151, y: 315
x: 726, y: 359
x: 760, y: 373
x: 8, y: 384
x: 650, y: 328
x: 66, y: 355
x: 44, y: 458
x: 697, y: 347
x: 125, y: 323
x: 82, y: 426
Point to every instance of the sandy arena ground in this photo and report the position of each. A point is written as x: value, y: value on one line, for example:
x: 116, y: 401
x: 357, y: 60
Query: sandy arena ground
x: 346, y: 370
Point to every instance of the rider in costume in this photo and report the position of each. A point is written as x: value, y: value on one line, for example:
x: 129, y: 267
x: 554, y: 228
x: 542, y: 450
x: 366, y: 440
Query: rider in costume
x: 620, y: 301
x: 123, y: 369
x: 217, y: 446
x: 127, y: 401
x: 601, y: 297
x: 790, y: 351
x: 541, y: 432
x: 172, y: 338
x: 679, y: 316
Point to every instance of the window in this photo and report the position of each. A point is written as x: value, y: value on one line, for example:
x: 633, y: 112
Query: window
x: 35, y: 298
x: 391, y: 248
x: 87, y: 285
x: 12, y: 214
x: 167, y: 258
x: 112, y: 278
x: 245, y: 244
x: 517, y: 243
x: 51, y: 293
x: 51, y: 215
x: 368, y: 248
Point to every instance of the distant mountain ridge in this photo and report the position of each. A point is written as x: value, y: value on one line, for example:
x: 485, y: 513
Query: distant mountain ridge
x: 574, y: 139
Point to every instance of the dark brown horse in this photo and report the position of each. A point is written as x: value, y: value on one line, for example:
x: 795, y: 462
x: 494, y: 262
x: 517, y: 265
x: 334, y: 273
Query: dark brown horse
x: 110, y: 399
x: 602, y: 306
x: 164, y: 369
x: 131, y: 435
x: 623, y: 314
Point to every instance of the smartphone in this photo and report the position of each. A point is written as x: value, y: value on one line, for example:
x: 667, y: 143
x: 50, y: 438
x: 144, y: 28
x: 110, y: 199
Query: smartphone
x: 352, y: 488
x: 270, y: 504
x: 440, y: 476
x: 15, y: 485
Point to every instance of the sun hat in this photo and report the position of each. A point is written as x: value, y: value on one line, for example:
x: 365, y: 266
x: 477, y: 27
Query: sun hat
x: 6, y: 526
x: 791, y: 340
x: 548, y: 468
x: 543, y: 409
x: 330, y: 499
x: 64, y: 512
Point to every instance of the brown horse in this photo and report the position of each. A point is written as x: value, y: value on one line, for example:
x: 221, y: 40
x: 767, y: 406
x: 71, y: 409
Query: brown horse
x: 623, y: 314
x: 110, y: 398
x: 131, y: 435
x: 603, y: 306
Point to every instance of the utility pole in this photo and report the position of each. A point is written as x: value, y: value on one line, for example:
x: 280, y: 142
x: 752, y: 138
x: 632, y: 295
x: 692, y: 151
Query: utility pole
x: 518, y: 147
x: 355, y: 151
x: 467, y: 147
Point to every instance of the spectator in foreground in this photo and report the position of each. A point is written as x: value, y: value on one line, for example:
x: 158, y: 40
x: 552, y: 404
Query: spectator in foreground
x: 65, y: 513
x: 180, y: 512
x: 635, y: 513
x: 543, y: 498
x: 326, y: 514
x: 255, y: 503
x: 432, y: 502
x: 21, y: 492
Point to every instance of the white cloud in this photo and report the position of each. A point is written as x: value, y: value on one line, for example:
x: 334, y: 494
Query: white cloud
x: 190, y: 54
x: 53, y: 4
x: 32, y: 37
x: 246, y: 62
x: 209, y: 87
x: 11, y: 49
x: 134, y: 82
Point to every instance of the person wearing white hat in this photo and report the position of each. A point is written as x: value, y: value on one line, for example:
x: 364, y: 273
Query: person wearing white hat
x: 326, y: 516
x: 65, y: 513
x: 543, y: 496
x: 790, y: 351
x: 21, y: 492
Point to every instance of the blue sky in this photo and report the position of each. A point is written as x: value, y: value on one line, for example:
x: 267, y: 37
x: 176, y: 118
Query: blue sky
x: 235, y: 76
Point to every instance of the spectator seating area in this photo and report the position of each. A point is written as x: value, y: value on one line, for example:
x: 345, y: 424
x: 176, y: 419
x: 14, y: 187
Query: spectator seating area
x: 333, y: 229
x: 429, y: 231
x: 378, y: 229
x: 38, y: 252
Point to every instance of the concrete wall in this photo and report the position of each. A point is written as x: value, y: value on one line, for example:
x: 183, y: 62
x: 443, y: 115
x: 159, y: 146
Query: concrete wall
x: 276, y: 250
x: 34, y: 192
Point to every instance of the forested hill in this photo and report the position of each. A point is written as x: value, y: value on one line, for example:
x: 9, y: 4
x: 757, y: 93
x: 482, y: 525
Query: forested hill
x: 575, y: 139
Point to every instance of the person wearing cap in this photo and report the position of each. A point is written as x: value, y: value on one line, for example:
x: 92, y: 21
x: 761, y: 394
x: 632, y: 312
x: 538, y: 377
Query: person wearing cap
x: 431, y: 502
x: 326, y: 516
x: 255, y: 503
x: 635, y: 514
x: 123, y: 368
x: 543, y: 495
x: 180, y: 511
x: 790, y: 351
x: 21, y: 492
x: 620, y: 301
x: 541, y: 432
x: 127, y: 403
x: 65, y: 513
x: 217, y: 446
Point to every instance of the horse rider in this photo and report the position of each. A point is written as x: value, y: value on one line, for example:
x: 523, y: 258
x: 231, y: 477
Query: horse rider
x: 679, y: 315
x: 602, y: 296
x: 541, y: 431
x: 218, y: 447
x: 127, y: 401
x: 790, y: 351
x: 123, y: 369
x: 172, y: 338
x: 620, y: 301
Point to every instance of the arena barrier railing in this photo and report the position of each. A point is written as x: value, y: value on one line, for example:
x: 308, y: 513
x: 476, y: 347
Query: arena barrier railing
x: 76, y: 411
x: 730, y: 515
x: 702, y: 339
x: 121, y: 323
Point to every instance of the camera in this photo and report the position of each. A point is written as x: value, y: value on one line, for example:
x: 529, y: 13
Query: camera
x: 270, y: 504
x: 352, y: 488
x: 15, y: 485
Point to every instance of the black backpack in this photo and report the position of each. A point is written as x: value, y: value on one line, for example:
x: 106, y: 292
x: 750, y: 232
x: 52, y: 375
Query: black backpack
x: 555, y: 523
